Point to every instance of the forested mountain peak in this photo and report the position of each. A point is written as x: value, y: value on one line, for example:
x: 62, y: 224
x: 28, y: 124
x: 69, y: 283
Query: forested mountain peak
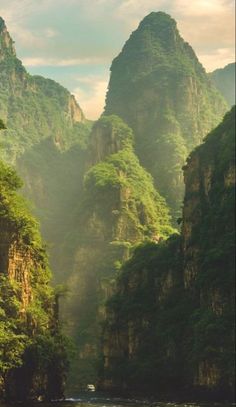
x: 161, y: 90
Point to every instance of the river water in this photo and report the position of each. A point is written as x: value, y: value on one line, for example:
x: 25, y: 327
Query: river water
x: 98, y: 401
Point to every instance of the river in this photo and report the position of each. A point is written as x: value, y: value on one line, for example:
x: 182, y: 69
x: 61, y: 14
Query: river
x: 98, y: 401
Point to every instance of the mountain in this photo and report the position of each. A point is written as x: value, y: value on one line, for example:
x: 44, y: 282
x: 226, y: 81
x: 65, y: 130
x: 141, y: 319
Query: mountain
x: 159, y: 88
x: 224, y: 80
x: 118, y: 209
x: 90, y: 190
x: 169, y: 325
x: 33, y: 108
x: 33, y: 357
x: 45, y: 139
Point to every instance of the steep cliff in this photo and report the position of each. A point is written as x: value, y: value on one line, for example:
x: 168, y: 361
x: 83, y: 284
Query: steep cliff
x: 208, y: 249
x: 224, y: 80
x: 170, y: 323
x: 159, y: 88
x: 120, y: 207
x: 28, y: 326
x: 45, y: 139
x: 33, y: 108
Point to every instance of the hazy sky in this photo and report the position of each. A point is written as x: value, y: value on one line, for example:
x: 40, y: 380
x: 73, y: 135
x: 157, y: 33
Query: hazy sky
x: 74, y: 41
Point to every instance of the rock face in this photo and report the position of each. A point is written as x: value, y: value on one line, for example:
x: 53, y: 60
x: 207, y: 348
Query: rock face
x: 170, y: 322
x: 45, y: 139
x: 119, y: 207
x: 27, y: 319
x: 208, y: 250
x: 224, y: 80
x: 16, y: 261
x: 159, y: 88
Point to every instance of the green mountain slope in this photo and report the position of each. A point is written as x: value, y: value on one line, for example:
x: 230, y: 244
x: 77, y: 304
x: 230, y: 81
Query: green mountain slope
x: 224, y: 80
x: 33, y: 108
x: 45, y: 139
x: 159, y: 88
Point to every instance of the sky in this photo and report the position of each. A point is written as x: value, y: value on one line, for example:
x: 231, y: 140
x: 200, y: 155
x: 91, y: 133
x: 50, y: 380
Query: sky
x: 74, y: 41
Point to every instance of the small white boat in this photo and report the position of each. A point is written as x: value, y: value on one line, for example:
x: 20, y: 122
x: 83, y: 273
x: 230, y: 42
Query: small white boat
x: 91, y: 387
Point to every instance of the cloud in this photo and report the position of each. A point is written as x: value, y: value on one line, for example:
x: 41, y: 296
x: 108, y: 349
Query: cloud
x: 72, y: 29
x: 55, y: 62
x: 91, y: 95
x: 225, y: 55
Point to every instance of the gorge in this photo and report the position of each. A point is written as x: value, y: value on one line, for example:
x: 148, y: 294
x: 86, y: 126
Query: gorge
x: 149, y: 283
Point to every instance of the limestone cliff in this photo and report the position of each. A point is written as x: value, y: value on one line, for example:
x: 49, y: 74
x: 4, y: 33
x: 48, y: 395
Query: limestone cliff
x: 160, y: 89
x: 27, y: 320
x: 16, y: 261
x: 119, y: 207
x: 45, y: 139
x: 208, y: 250
x: 170, y: 322
x: 33, y: 108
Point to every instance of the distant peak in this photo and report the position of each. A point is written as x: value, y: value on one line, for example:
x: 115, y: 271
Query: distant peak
x: 161, y: 27
x: 158, y: 18
x: 2, y: 23
x: 6, y: 44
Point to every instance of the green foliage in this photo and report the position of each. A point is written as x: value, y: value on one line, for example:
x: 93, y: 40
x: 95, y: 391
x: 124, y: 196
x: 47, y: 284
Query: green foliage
x: 46, y: 141
x: 120, y: 177
x: 39, y: 111
x: 47, y: 358
x: 13, y: 340
x: 159, y: 88
x: 28, y: 324
x: 214, y: 236
x: 34, y: 109
x: 147, y: 298
x: 170, y: 321
x: 13, y: 207
x: 119, y: 208
x: 2, y: 125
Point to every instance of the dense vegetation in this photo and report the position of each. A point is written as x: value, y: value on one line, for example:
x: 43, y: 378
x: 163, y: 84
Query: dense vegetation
x: 170, y: 321
x: 33, y: 352
x: 224, y: 79
x: 159, y: 88
x: 33, y: 108
x: 119, y: 208
x: 96, y: 203
x: 46, y: 140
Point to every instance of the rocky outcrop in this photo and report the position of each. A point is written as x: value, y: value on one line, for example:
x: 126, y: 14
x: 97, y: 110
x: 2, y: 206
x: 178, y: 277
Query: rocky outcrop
x: 159, y: 88
x: 170, y: 322
x: 16, y: 261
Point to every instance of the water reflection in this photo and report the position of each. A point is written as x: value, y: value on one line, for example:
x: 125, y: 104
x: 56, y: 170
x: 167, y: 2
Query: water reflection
x: 114, y: 402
